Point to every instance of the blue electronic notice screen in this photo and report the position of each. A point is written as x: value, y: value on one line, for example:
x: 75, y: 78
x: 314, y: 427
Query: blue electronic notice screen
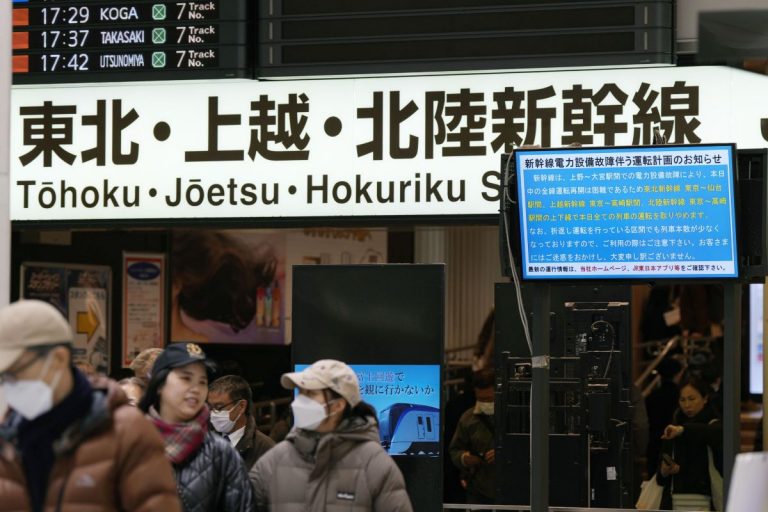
x: 637, y: 213
x: 407, y: 403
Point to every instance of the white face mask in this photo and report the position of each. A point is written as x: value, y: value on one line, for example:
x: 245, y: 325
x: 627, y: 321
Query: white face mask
x: 308, y: 414
x: 484, y: 408
x: 32, y: 398
x: 221, y: 422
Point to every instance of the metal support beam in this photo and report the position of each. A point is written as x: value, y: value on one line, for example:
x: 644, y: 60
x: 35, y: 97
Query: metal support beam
x: 540, y: 401
x: 6, y: 27
x: 731, y: 383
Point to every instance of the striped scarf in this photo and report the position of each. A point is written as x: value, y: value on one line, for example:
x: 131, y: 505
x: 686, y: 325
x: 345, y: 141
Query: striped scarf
x: 181, y: 439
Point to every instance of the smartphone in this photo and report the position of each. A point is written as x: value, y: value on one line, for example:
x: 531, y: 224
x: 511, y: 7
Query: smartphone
x: 668, y: 460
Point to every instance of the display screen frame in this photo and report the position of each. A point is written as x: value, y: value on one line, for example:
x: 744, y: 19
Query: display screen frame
x: 514, y: 208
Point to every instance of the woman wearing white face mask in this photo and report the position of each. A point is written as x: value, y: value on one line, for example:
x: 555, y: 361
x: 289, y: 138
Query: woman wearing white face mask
x: 332, y: 459
x: 210, y: 475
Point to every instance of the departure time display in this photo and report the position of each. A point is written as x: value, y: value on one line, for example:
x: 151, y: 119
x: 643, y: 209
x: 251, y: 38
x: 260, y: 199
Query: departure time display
x: 211, y: 33
x: 105, y: 61
x: 76, y: 41
x: 49, y: 14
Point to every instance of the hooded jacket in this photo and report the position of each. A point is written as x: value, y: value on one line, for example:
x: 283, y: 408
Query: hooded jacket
x: 346, y: 469
x: 111, y: 459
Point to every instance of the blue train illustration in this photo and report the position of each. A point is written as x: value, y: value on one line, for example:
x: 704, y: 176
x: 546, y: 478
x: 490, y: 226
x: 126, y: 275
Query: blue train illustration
x: 410, y: 429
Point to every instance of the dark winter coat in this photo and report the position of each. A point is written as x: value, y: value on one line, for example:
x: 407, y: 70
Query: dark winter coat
x: 253, y: 444
x: 111, y: 459
x: 475, y: 434
x: 689, y: 450
x: 345, y: 470
x: 214, y: 479
x: 661, y: 405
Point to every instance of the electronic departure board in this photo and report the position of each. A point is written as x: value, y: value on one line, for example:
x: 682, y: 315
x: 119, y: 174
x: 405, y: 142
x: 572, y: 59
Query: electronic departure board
x: 58, y: 41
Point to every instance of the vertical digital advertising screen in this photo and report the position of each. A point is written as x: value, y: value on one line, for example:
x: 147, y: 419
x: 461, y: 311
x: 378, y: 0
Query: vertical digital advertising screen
x: 407, y: 403
x: 627, y: 213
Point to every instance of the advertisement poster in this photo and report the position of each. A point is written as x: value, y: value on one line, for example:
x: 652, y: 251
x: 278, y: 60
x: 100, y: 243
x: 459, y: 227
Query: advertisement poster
x: 407, y: 403
x: 228, y: 287
x: 234, y: 286
x: 143, y: 303
x: 82, y: 294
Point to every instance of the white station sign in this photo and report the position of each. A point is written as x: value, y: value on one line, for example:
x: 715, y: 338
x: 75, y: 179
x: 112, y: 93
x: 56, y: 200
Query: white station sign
x: 395, y: 146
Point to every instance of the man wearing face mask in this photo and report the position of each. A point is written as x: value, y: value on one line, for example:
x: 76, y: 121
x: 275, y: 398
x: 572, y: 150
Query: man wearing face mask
x: 69, y: 444
x: 332, y: 459
x: 230, y: 400
x: 472, y: 446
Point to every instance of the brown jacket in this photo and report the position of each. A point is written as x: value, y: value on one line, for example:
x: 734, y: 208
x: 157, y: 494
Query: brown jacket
x: 253, y: 444
x: 113, y: 459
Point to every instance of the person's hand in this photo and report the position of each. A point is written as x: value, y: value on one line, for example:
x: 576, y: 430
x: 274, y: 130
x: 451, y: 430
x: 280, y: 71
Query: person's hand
x: 490, y: 456
x: 463, y: 484
x: 470, y: 460
x: 667, y: 470
x: 672, y: 431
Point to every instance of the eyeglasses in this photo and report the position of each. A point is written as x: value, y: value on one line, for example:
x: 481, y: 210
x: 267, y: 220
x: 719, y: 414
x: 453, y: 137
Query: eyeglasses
x: 12, y: 375
x: 222, y: 408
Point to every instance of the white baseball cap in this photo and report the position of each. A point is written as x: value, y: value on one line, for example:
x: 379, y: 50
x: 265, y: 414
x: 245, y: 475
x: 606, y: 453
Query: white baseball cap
x: 326, y: 374
x: 30, y: 323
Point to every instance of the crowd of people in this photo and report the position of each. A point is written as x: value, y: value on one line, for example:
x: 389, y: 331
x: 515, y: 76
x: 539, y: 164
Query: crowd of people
x: 173, y: 438
x: 676, y: 428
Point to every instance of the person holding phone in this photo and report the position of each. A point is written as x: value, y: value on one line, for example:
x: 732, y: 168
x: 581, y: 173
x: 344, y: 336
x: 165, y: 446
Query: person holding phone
x: 472, y: 446
x: 692, y: 448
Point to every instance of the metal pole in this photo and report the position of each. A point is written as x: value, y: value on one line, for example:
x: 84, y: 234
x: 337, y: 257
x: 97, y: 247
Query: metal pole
x: 731, y: 384
x: 5, y: 151
x: 540, y: 401
x: 6, y: 27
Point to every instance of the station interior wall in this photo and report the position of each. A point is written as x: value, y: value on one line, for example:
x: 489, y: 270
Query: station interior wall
x: 470, y: 253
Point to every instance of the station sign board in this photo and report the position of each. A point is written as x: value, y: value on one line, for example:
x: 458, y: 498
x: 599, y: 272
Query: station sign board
x: 388, y: 146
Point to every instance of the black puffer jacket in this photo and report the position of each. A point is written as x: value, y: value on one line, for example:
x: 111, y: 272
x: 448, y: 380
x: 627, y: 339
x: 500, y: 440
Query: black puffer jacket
x: 214, y: 479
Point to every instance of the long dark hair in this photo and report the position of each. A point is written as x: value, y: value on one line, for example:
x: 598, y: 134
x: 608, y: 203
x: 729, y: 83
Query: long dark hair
x: 152, y: 396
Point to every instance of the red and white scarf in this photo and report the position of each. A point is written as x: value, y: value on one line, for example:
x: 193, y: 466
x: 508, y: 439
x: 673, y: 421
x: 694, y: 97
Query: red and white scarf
x: 181, y: 439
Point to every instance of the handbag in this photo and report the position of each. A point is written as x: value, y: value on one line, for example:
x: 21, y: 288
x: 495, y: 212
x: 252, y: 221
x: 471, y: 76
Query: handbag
x: 650, y: 495
x: 715, y: 482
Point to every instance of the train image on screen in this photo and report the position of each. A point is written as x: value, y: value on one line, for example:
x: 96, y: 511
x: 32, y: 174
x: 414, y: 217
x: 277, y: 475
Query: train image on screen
x: 410, y: 429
